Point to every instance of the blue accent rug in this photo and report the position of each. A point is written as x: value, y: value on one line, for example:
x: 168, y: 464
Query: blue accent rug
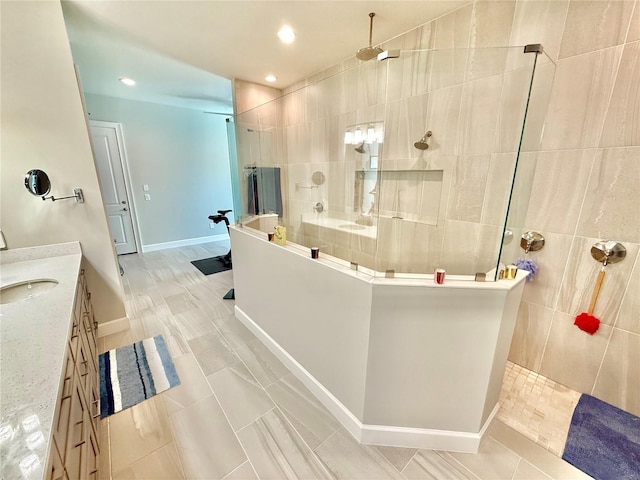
x: 131, y: 374
x: 603, y: 441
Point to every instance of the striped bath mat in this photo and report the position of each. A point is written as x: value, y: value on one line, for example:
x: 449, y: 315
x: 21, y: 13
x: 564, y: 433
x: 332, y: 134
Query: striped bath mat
x: 131, y: 374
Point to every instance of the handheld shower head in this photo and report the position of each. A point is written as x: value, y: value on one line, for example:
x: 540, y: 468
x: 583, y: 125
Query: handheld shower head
x: 369, y: 52
x: 360, y: 148
x: 422, y: 143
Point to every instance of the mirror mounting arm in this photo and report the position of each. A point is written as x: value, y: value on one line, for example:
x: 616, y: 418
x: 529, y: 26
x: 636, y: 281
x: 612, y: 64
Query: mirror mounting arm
x: 77, y: 194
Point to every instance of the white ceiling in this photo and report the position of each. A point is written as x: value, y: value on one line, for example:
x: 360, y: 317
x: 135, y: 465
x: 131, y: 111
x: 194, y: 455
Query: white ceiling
x: 185, y: 52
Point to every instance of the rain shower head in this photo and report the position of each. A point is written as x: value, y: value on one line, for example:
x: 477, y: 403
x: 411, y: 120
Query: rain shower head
x: 360, y: 148
x: 367, y: 53
x: 422, y: 143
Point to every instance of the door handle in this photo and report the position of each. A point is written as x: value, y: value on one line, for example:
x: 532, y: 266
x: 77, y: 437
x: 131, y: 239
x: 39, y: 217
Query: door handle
x: 125, y: 209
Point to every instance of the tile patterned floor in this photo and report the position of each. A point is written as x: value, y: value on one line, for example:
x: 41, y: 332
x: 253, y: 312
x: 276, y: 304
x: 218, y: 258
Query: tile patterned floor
x: 537, y: 407
x: 239, y: 413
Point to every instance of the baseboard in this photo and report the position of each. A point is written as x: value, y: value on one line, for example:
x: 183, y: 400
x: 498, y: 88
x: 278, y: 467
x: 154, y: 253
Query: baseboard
x: 184, y: 243
x: 113, y: 326
x: 393, y: 436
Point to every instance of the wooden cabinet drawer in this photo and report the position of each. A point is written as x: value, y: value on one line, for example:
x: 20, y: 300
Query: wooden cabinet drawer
x: 92, y: 457
x: 55, y: 470
x: 78, y: 435
x: 63, y: 406
x: 85, y: 366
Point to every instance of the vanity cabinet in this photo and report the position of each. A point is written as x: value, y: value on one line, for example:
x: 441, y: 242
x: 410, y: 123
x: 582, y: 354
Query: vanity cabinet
x: 74, y: 451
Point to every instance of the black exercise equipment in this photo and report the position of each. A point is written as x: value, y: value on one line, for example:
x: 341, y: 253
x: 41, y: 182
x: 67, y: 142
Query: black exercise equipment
x: 225, y: 259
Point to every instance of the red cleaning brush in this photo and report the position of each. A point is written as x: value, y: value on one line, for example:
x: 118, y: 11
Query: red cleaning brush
x: 586, y: 321
x: 604, y: 251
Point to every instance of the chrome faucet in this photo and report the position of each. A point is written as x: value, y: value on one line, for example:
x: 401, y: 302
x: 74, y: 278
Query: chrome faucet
x: 3, y: 242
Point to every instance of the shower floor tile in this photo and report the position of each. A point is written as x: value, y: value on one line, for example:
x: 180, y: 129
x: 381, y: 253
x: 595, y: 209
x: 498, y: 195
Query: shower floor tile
x: 537, y: 407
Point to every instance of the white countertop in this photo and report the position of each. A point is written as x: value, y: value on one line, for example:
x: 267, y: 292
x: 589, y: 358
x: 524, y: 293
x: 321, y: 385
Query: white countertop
x: 33, y: 341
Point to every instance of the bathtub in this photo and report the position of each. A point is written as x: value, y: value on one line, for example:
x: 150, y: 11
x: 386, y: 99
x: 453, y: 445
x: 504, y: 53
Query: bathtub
x: 398, y: 361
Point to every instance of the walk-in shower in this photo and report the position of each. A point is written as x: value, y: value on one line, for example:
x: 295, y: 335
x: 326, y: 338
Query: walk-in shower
x: 454, y: 199
x: 397, y: 358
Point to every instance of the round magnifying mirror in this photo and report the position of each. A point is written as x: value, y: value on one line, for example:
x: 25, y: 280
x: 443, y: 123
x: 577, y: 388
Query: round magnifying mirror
x: 37, y: 182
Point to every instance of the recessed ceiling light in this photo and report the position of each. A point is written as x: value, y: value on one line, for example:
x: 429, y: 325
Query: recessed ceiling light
x: 128, y: 81
x: 270, y: 78
x: 286, y: 34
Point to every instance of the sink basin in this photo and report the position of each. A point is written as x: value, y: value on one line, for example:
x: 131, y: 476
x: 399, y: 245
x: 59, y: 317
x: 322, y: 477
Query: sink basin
x: 25, y: 290
x: 351, y: 226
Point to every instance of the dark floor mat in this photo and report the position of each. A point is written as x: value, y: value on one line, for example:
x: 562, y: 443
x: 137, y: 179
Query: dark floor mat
x: 210, y: 265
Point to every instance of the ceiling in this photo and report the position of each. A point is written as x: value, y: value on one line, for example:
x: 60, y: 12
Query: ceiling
x: 185, y: 53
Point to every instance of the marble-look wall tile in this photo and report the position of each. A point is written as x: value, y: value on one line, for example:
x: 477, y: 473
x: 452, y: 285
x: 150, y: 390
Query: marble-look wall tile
x: 443, y: 112
x: 634, y: 26
x: 490, y: 27
x: 618, y: 381
x: 513, y: 103
x: 629, y: 313
x: 460, y: 246
x: 479, y: 115
x: 578, y: 103
x: 468, y: 186
x: 540, y: 22
x: 572, y: 357
x: 514, y: 191
x: 491, y: 23
x: 544, y: 289
x: 558, y: 190
x: 499, y: 179
x: 610, y: 209
x: 308, y: 416
x: 276, y: 450
x: 453, y: 30
x: 593, y: 25
x: 580, y: 277
x: 539, y: 104
x: 622, y: 124
x: 206, y: 443
x: 530, y: 335
x: 404, y: 125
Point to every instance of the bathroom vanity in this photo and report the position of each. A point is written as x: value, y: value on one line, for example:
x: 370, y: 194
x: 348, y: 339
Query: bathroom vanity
x: 49, y: 397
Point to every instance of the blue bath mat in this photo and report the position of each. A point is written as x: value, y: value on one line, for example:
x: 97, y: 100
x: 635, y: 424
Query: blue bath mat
x: 131, y: 374
x: 604, y: 441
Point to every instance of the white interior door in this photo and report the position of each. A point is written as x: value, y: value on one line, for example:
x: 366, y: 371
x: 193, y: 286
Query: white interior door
x: 114, y: 192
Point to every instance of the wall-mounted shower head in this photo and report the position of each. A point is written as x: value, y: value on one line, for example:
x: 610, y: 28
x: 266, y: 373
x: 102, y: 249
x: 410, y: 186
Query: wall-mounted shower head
x: 422, y: 143
x: 360, y: 148
x: 367, y: 53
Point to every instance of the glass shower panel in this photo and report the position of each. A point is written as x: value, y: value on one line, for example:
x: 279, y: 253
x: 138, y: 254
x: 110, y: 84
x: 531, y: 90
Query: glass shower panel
x: 538, y: 97
x: 443, y: 206
x: 406, y: 164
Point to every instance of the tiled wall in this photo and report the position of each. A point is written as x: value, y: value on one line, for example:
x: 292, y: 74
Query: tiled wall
x: 586, y: 185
